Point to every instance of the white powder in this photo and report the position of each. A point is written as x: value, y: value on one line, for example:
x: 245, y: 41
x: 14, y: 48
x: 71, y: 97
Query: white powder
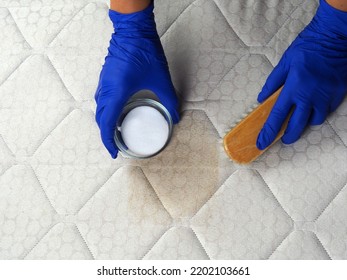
x: 144, y: 131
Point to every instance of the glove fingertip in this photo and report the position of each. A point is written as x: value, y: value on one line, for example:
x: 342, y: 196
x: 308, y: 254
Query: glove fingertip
x: 261, y: 97
x: 175, y: 117
x: 114, y: 154
x: 287, y: 140
x: 112, y: 150
x: 266, y: 92
x: 111, y: 147
x: 262, y: 140
x: 265, y: 137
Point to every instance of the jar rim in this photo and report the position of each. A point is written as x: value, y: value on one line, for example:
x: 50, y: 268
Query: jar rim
x: 130, y: 106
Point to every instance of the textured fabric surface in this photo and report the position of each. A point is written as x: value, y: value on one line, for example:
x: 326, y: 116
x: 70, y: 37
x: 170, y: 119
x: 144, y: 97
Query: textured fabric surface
x: 63, y: 197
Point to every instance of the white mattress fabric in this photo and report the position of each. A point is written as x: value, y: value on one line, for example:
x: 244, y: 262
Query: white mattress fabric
x: 63, y: 197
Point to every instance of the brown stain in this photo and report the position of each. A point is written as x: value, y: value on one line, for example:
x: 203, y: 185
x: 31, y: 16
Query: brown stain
x: 142, y: 201
x: 186, y: 173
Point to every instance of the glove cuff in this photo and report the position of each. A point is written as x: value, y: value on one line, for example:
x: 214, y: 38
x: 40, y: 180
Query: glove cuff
x: 138, y: 24
x: 330, y: 22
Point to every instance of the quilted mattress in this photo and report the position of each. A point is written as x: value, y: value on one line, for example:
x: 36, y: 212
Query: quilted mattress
x: 63, y: 197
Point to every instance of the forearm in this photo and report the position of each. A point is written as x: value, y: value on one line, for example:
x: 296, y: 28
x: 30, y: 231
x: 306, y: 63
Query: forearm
x: 129, y: 6
x: 339, y: 4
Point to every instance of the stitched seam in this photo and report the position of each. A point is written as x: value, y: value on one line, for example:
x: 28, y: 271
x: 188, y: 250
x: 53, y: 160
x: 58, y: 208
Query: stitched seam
x: 226, y: 74
x: 8, y: 164
x: 303, y: 231
x: 51, y: 131
x: 219, y: 189
x: 144, y: 174
x: 232, y: 123
x: 279, y: 30
x: 344, y: 185
x: 96, y: 191
x: 241, y: 55
x: 6, y: 169
x: 71, y: 110
x: 41, y: 5
x: 330, y: 203
x: 266, y: 43
x: 60, y: 78
x: 291, y: 219
x: 279, y: 245
x: 225, y: 18
x: 186, y: 9
x: 331, y: 126
x: 202, y: 246
x: 285, y: 22
x: 44, y: 191
x: 155, y: 243
x: 209, y: 119
x: 15, y: 70
x: 17, y: 26
x: 67, y: 23
x: 267, y: 185
x: 101, y: 187
x: 37, y: 243
x: 268, y: 59
x: 320, y: 242
x: 85, y: 242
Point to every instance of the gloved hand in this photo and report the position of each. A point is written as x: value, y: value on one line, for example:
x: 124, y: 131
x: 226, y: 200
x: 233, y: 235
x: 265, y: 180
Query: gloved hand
x: 135, y: 61
x: 314, y: 73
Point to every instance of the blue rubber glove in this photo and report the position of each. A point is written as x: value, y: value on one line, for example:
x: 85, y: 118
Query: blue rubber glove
x: 135, y: 61
x: 314, y: 73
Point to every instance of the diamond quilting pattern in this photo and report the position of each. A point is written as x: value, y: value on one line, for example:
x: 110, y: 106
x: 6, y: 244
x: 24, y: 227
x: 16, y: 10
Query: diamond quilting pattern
x: 229, y: 226
x: 71, y: 163
x: 40, y: 25
x: 338, y: 121
x: 80, y: 72
x: 34, y: 101
x: 125, y: 217
x: 237, y: 92
x: 177, y: 244
x: 180, y: 204
x: 203, y: 47
x: 332, y: 228
x: 13, y: 46
x: 190, y: 170
x: 62, y: 242
x: 300, y: 245
x: 290, y: 29
x: 254, y: 21
x: 13, y: 41
x: 25, y: 212
x: 92, y: 20
x: 166, y: 15
x: 306, y: 176
x: 6, y: 157
x: 41, y: 3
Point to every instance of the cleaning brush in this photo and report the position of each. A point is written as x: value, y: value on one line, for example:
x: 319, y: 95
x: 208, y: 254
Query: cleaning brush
x: 240, y: 142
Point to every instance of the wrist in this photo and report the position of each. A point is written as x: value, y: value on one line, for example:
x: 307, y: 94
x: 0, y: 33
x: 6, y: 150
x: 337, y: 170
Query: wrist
x: 136, y: 24
x: 330, y: 21
x: 129, y: 6
x: 339, y: 4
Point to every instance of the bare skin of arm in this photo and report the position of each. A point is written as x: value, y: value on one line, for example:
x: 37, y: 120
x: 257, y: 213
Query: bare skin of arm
x: 339, y: 4
x: 129, y: 6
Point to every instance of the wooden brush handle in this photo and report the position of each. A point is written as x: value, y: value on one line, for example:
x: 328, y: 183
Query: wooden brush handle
x: 240, y: 142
